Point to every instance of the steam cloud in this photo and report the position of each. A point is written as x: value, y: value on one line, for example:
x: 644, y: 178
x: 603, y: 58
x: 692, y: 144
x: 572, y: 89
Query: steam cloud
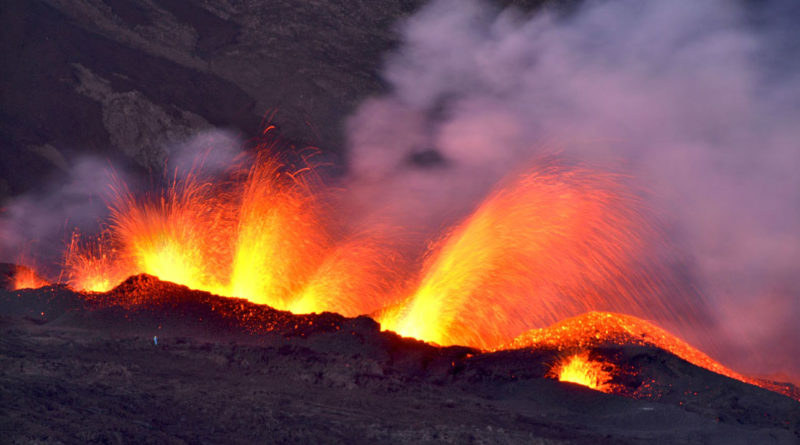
x: 695, y: 99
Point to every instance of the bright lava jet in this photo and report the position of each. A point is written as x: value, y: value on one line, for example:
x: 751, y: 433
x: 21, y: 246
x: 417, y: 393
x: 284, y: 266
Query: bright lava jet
x: 557, y: 256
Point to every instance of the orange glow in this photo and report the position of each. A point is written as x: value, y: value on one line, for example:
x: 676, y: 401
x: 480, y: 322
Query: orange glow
x: 357, y: 277
x: 550, y: 244
x: 174, y: 236
x: 603, y: 328
x: 26, y: 278
x: 259, y: 234
x: 93, y: 265
x: 279, y: 238
x: 598, y: 328
x: 554, y: 243
x: 580, y: 369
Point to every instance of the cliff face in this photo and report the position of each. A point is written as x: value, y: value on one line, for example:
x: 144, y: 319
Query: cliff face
x: 124, y: 79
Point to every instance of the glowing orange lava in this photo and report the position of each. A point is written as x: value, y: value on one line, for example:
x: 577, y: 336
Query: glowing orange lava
x: 550, y: 244
x: 358, y: 276
x: 260, y: 234
x: 598, y: 328
x: 595, y: 329
x: 554, y: 243
x: 26, y: 278
x: 93, y: 266
x: 279, y: 237
x: 580, y: 369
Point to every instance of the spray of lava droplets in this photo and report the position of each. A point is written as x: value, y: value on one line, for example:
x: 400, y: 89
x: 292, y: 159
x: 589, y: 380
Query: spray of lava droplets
x: 580, y: 369
x: 551, y: 243
x: 258, y: 234
x: 27, y: 278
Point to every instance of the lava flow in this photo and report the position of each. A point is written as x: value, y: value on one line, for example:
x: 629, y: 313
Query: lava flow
x: 552, y: 243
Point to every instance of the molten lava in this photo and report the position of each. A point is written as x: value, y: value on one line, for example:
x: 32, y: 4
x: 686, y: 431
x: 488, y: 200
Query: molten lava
x: 580, y: 369
x: 93, y: 266
x: 279, y: 238
x: 555, y: 243
x: 259, y: 234
x: 172, y: 236
x: 601, y: 328
x: 26, y: 278
x: 550, y: 244
x: 596, y: 329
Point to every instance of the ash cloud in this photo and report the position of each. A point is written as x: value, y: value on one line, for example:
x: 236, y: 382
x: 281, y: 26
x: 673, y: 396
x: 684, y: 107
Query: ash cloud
x: 696, y: 100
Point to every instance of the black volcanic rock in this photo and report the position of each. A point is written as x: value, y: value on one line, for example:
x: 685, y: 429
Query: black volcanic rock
x: 7, y: 271
x: 86, y: 368
x: 125, y: 79
x: 649, y: 374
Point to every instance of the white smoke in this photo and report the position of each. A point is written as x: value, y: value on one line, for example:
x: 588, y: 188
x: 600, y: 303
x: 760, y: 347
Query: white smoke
x: 689, y: 97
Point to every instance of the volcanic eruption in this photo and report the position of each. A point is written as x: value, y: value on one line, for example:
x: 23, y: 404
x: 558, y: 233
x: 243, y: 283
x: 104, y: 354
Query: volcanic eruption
x: 579, y: 368
x: 551, y: 242
x: 257, y: 233
x: 523, y: 211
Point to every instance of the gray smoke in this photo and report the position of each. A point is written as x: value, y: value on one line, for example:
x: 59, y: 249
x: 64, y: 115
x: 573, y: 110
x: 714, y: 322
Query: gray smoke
x: 211, y: 152
x: 36, y: 226
x: 694, y: 99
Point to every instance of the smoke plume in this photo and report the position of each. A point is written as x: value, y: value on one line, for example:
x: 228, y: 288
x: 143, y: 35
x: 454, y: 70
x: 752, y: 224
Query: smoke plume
x: 695, y: 100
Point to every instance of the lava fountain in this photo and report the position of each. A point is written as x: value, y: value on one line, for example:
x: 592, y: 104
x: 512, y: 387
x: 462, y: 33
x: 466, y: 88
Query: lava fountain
x: 260, y: 233
x: 581, y: 369
x: 553, y: 243
x: 549, y: 247
x: 26, y: 278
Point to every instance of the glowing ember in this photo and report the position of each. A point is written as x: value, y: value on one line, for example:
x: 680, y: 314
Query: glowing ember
x: 554, y: 243
x: 357, y: 277
x: 580, y: 369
